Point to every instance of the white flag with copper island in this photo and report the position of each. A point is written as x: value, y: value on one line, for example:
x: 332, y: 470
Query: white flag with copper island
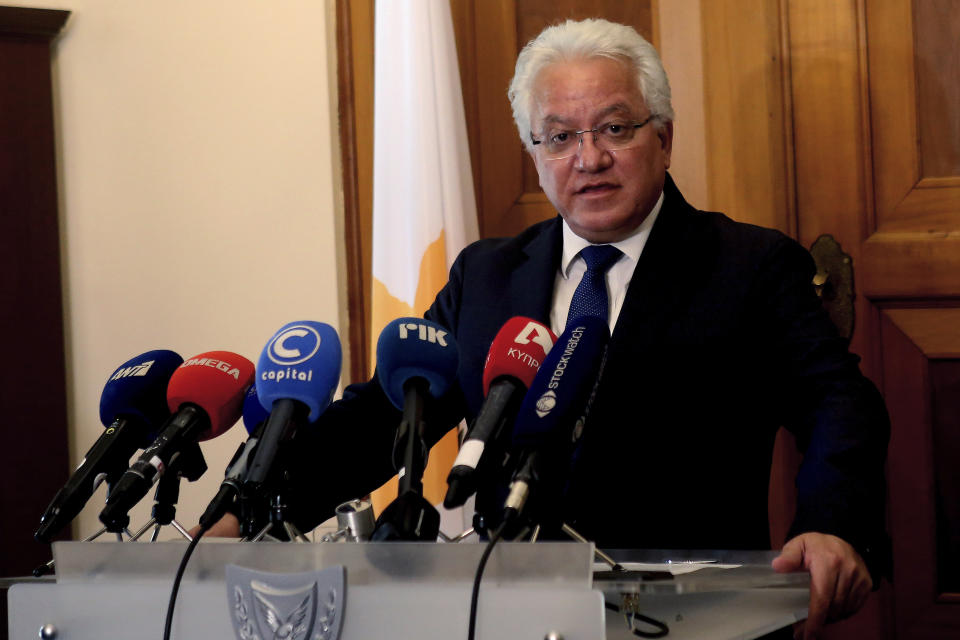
x: 424, y: 210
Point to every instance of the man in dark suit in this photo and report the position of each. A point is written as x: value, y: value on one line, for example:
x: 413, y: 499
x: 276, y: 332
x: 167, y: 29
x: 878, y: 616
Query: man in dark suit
x: 718, y: 337
x: 717, y: 340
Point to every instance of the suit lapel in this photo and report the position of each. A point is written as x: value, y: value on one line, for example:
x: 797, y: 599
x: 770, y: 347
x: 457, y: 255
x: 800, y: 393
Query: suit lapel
x: 530, y: 286
x: 665, y: 274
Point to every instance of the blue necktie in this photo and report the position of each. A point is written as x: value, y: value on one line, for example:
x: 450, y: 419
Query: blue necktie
x: 590, y: 298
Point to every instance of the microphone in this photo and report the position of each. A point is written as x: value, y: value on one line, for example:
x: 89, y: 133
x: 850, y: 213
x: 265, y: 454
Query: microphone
x: 206, y: 394
x: 551, y: 419
x: 512, y: 362
x: 416, y: 362
x: 132, y: 405
x: 254, y: 419
x: 297, y: 375
x: 253, y: 412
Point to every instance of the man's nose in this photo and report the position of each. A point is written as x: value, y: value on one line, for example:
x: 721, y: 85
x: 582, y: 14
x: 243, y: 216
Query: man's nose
x: 590, y: 156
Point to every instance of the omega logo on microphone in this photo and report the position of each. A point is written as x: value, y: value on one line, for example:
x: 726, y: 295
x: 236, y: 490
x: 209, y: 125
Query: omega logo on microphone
x: 226, y: 367
x: 297, y: 344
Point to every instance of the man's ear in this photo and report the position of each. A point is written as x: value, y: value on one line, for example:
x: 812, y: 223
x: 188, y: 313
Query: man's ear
x: 536, y: 163
x: 666, y: 142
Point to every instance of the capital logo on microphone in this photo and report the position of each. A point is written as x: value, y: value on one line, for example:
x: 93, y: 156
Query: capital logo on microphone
x: 422, y: 332
x: 295, y: 345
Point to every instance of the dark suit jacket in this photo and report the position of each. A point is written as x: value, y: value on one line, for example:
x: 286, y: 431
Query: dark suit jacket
x: 721, y: 340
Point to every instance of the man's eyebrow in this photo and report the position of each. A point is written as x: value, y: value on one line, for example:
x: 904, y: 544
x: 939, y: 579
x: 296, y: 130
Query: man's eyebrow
x: 555, y: 119
x: 617, y: 107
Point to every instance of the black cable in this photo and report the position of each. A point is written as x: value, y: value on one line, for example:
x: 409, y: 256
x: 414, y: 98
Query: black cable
x: 176, y: 581
x: 661, y: 627
x: 476, y: 580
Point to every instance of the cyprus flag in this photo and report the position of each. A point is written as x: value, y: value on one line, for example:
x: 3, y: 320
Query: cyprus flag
x: 424, y: 211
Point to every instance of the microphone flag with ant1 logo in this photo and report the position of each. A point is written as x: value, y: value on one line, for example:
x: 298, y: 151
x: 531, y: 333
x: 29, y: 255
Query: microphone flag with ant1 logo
x: 132, y: 406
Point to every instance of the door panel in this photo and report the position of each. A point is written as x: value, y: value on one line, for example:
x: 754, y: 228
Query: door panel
x: 921, y: 349
x: 915, y: 98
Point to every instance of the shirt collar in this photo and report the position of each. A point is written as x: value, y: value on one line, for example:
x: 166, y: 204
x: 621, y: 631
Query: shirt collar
x: 631, y: 246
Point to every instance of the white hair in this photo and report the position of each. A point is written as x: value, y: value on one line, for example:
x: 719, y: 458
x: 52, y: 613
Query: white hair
x: 591, y: 38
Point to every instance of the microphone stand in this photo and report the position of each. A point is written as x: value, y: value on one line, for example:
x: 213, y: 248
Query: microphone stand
x: 278, y: 518
x: 111, y: 479
x: 410, y: 436
x: 267, y: 482
x: 410, y: 516
x: 190, y: 465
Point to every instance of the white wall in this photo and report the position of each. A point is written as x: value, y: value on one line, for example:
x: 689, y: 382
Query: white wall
x: 197, y: 157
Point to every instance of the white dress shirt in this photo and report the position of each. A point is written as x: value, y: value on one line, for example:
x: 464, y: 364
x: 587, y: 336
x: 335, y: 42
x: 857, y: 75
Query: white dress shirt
x: 573, y: 266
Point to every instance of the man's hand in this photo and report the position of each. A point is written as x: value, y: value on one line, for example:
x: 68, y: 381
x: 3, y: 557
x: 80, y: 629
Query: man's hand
x: 226, y: 527
x: 839, y: 579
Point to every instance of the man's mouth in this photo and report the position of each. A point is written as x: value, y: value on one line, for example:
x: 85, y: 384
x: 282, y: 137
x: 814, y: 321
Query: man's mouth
x: 596, y: 188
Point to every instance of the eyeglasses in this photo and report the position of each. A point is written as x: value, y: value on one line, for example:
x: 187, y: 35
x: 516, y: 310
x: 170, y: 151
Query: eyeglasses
x: 612, y: 136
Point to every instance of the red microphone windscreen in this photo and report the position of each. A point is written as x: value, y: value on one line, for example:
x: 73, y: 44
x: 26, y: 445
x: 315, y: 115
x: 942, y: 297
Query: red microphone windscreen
x: 517, y: 351
x: 217, y: 381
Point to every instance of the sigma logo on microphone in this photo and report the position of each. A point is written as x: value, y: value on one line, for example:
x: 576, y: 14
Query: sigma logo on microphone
x: 138, y: 371
x: 226, y: 367
x: 297, y: 344
x: 546, y: 403
x: 536, y: 333
x: 568, y: 350
x: 422, y: 332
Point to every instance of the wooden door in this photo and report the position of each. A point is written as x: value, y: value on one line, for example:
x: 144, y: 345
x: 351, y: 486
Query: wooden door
x: 862, y: 139
x: 911, y: 273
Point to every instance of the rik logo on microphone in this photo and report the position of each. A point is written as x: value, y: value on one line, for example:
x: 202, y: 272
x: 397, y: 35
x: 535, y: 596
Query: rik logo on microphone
x: 422, y: 332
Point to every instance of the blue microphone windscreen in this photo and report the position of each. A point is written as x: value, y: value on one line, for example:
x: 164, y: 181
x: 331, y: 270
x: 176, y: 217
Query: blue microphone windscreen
x: 253, y: 411
x: 138, y: 389
x: 415, y: 348
x: 300, y: 362
x: 560, y: 392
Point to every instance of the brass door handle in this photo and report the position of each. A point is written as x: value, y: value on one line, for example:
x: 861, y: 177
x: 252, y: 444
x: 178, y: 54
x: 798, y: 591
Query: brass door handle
x: 834, y: 282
